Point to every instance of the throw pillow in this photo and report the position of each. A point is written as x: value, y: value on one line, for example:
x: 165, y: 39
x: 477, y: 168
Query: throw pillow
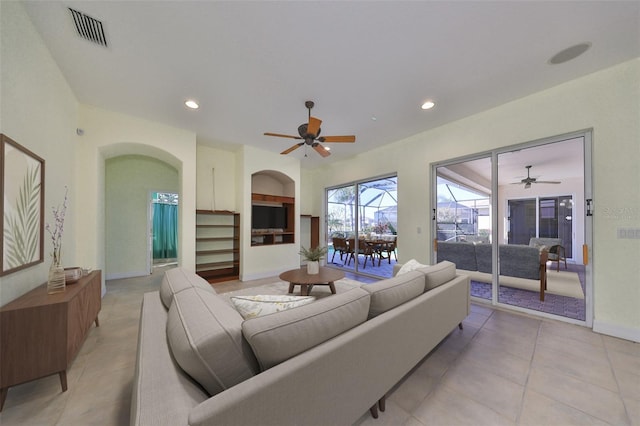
x: 411, y: 265
x: 255, y: 306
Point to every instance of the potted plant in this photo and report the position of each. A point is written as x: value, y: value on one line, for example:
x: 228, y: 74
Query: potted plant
x: 313, y: 256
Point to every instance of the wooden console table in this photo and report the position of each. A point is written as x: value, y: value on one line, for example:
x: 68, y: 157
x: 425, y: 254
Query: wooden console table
x: 40, y: 333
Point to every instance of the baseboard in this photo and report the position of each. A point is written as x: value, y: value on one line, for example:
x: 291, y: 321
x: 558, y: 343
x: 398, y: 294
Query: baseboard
x: 259, y: 276
x: 123, y: 275
x: 616, y: 330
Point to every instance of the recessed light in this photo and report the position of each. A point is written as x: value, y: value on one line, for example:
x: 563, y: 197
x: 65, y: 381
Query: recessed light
x: 374, y: 118
x: 569, y: 53
x: 190, y: 103
x: 428, y: 105
x: 326, y: 148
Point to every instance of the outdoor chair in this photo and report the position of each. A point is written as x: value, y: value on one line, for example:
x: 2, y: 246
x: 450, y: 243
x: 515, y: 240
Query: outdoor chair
x: 339, y: 246
x: 363, y: 249
x: 554, y: 247
x: 384, y: 250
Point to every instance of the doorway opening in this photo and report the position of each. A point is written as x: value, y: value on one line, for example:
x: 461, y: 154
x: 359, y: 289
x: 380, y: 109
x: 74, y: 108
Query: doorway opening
x: 163, y: 221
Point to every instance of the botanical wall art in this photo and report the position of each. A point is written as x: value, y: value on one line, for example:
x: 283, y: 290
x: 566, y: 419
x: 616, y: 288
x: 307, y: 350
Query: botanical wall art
x: 22, y: 183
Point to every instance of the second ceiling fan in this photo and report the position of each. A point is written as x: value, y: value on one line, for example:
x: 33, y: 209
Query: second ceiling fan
x: 309, y: 134
x: 529, y: 180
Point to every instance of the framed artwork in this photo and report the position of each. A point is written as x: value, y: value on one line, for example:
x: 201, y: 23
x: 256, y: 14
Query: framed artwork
x: 22, y: 207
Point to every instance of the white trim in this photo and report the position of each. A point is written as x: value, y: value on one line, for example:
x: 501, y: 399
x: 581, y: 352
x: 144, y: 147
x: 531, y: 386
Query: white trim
x: 616, y: 330
x: 261, y: 275
x: 122, y: 275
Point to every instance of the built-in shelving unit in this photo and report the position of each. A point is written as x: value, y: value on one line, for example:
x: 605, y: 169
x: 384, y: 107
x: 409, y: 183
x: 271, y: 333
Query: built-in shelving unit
x: 267, y: 237
x: 217, y: 245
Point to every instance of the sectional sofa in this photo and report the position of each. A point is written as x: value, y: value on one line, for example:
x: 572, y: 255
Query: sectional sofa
x: 518, y: 263
x: 325, y: 363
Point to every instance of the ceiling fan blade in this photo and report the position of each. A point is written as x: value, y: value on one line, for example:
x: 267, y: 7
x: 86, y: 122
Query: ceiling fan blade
x: 547, y: 181
x: 321, y: 150
x: 294, y: 147
x: 282, y: 136
x: 331, y: 139
x: 313, y: 126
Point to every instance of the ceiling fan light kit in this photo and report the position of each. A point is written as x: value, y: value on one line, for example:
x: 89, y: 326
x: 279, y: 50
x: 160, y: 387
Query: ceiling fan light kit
x: 309, y: 134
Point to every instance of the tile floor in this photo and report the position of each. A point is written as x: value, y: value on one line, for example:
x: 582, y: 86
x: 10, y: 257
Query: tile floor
x: 502, y: 369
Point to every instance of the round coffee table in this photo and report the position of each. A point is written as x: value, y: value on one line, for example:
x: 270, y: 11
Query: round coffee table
x: 327, y: 276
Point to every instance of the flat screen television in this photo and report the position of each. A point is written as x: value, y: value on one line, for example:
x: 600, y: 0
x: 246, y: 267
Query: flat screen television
x: 266, y: 217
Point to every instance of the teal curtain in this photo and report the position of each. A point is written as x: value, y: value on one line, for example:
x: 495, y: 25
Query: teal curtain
x: 165, y: 231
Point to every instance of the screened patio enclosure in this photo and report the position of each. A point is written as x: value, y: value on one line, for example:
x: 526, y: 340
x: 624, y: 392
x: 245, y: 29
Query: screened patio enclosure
x: 363, y: 212
x: 463, y: 214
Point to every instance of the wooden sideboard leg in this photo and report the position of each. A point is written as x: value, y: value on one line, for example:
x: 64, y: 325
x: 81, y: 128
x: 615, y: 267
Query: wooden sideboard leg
x: 460, y: 326
x: 63, y: 380
x: 374, y: 411
x: 382, y: 403
x: 3, y: 396
x: 291, y: 286
x: 97, y: 322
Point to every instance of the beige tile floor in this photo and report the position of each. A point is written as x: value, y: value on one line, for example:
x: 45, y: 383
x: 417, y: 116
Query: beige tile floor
x: 502, y: 369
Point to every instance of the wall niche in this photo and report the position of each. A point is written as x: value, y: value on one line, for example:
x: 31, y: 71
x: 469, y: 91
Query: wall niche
x: 272, y: 208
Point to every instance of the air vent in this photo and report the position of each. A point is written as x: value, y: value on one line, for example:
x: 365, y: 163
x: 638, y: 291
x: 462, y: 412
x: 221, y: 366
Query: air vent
x: 89, y: 28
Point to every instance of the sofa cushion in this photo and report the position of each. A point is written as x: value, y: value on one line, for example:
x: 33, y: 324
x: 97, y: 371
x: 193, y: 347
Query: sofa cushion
x: 177, y: 279
x: 389, y: 293
x: 278, y: 337
x: 411, y: 265
x: 264, y: 304
x: 205, y: 336
x: 438, y: 274
x: 484, y: 256
x: 462, y: 254
x: 520, y: 261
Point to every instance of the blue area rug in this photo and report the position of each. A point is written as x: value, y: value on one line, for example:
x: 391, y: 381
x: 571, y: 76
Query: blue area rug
x: 553, y: 304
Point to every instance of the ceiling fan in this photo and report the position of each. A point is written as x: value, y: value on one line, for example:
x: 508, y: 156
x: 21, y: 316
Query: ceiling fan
x: 529, y: 180
x: 310, y: 135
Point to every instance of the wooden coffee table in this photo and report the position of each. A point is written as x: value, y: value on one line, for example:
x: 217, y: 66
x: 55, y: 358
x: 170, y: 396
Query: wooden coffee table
x: 327, y: 276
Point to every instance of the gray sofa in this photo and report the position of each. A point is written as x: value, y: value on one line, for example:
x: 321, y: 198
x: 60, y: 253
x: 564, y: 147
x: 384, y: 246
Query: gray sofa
x: 518, y: 263
x: 324, y: 363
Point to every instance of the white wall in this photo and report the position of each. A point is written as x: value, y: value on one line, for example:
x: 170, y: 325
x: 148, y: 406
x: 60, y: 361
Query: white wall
x: 266, y: 261
x: 215, y: 179
x: 39, y: 111
x: 129, y: 182
x: 108, y: 134
x: 606, y: 101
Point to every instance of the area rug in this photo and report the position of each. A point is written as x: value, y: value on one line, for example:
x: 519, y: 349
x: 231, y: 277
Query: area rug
x: 282, y: 287
x: 563, y: 283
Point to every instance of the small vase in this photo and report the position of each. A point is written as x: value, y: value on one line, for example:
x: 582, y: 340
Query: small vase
x: 313, y: 267
x: 56, y: 282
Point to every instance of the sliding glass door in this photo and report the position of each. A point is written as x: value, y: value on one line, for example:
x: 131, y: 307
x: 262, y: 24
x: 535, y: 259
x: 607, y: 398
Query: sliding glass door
x: 497, y: 215
x: 362, y: 223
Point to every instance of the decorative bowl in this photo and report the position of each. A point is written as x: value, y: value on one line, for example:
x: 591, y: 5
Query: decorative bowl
x: 72, y: 275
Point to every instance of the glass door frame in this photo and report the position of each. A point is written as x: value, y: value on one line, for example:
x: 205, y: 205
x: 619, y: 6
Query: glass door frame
x: 356, y: 217
x: 495, y: 220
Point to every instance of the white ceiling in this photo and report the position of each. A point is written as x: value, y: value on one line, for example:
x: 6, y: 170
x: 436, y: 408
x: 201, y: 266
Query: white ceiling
x: 252, y: 65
